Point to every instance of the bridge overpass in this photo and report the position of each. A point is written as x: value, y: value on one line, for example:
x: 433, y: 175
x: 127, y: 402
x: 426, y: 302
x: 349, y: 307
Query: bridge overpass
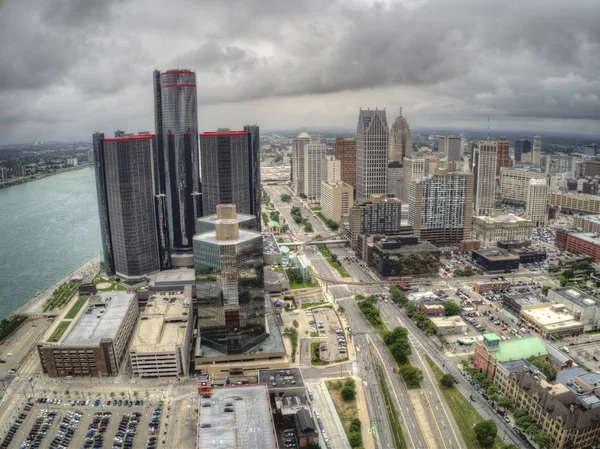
x: 315, y: 242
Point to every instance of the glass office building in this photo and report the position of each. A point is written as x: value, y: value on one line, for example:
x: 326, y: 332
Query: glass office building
x: 230, y: 285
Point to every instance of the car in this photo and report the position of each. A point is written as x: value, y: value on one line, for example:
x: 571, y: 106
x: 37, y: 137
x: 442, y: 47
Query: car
x: 107, y: 402
x: 507, y: 419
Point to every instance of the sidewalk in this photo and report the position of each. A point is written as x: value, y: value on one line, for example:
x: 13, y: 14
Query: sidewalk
x: 363, y: 415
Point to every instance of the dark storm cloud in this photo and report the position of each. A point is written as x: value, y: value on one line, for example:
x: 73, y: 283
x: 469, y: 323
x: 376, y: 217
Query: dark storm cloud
x: 74, y: 62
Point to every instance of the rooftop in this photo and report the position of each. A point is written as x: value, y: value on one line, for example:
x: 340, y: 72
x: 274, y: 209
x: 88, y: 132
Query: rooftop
x: 576, y: 296
x: 589, y: 237
x: 548, y: 315
x: 209, y: 222
x: 163, y: 325
x: 250, y: 425
x: 496, y: 254
x: 508, y: 218
x: 270, y: 245
x: 420, y: 247
x: 520, y: 349
x: 447, y: 321
x: 108, y: 312
x: 281, y: 378
x: 211, y: 237
x: 183, y: 275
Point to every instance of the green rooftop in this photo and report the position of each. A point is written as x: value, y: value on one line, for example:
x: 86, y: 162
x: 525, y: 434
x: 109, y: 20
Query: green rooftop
x: 491, y: 337
x: 520, y: 349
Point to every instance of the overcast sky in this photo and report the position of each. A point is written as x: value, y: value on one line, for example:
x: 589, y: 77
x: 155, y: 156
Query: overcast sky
x: 71, y: 67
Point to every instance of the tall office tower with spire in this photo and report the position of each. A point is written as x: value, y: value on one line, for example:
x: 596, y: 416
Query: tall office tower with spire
x: 225, y: 170
x: 345, y: 151
x: 441, y: 207
x: 176, y: 121
x: 125, y: 185
x: 451, y: 146
x: 485, y: 156
x: 503, y: 159
x: 536, y: 152
x: 314, y: 157
x: 372, y: 151
x: 298, y: 144
x: 254, y: 167
x: 400, y: 141
x: 230, y: 285
x: 536, y: 208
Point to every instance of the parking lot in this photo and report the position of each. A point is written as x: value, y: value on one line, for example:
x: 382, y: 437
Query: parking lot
x: 325, y: 321
x: 68, y: 424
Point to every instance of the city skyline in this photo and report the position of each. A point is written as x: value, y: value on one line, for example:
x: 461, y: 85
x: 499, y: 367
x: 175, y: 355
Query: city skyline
x: 249, y: 74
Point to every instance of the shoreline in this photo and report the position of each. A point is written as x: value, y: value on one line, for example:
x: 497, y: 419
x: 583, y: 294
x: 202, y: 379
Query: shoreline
x: 27, y: 179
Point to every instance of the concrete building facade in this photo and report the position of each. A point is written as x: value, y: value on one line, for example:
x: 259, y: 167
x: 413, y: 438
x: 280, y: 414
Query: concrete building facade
x: 414, y: 168
x: 371, y: 154
x: 575, y: 202
x: 536, y: 209
x: 536, y: 152
x: 298, y: 144
x: 400, y: 141
x: 331, y: 169
x: 484, y: 172
x: 336, y: 200
x: 490, y: 230
x: 514, y: 183
x: 314, y: 156
x: 380, y: 215
x: 451, y: 147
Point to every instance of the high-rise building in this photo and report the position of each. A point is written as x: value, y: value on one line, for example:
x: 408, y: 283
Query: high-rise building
x: 176, y: 121
x: 395, y: 171
x: 536, y: 157
x: 484, y: 172
x: 522, y: 146
x: 19, y: 170
x: 331, y: 169
x: 400, y: 141
x: 371, y: 154
x: 3, y: 173
x: 451, y: 147
x: 125, y: 185
x: 536, y: 209
x: 514, y: 183
x: 254, y: 167
x: 345, y: 151
x: 503, y: 158
x: 416, y: 167
x: 225, y: 170
x: 337, y: 198
x: 298, y: 144
x: 230, y: 285
x: 314, y: 155
x: 378, y: 215
x: 441, y: 207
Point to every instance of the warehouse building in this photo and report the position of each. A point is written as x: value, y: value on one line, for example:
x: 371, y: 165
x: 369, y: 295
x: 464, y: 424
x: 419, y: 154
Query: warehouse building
x: 583, y: 307
x: 550, y: 320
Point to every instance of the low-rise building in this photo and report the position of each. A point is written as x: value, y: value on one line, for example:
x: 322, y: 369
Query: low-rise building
x: 575, y: 202
x: 94, y: 341
x: 495, y: 260
x: 238, y: 417
x: 490, y: 230
x: 586, y: 243
x: 283, y: 382
x: 405, y: 256
x: 583, y: 307
x: 160, y: 346
x: 173, y: 280
x: 449, y: 325
x: 493, y: 351
x: 492, y: 284
x: 276, y: 282
x: 271, y: 252
x: 587, y: 223
x: 550, y: 320
x: 514, y: 302
x: 529, y: 254
x: 433, y: 308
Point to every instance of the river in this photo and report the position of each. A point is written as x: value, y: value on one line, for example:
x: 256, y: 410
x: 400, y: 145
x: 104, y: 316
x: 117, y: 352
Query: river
x: 47, y: 229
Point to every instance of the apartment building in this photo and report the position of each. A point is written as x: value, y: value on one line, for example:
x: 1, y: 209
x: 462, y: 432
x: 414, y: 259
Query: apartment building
x: 484, y: 171
x: 576, y: 202
x: 337, y: 199
x: 514, y: 183
x: 536, y: 208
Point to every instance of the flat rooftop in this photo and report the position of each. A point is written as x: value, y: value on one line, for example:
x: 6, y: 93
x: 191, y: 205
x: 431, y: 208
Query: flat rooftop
x: 589, y: 237
x: 281, y: 378
x: 172, y: 276
x: 250, y: 424
x: 546, y: 316
x: 209, y: 223
x: 108, y: 313
x: 577, y: 296
x: 270, y: 245
x: 447, y: 321
x: 507, y: 218
x: 163, y: 325
x: 211, y: 237
x: 496, y: 254
x: 421, y: 247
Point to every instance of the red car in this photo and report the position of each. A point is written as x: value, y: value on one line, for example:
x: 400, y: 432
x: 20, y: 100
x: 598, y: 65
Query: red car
x: 107, y: 402
x: 503, y: 328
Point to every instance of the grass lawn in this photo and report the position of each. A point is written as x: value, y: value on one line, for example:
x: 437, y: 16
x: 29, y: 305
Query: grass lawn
x: 391, y: 411
x: 464, y: 413
x: 346, y: 410
x: 334, y: 263
x: 277, y: 268
x: 313, y: 304
x: 294, y: 285
x: 60, y: 329
x: 76, y: 308
x: 314, y: 349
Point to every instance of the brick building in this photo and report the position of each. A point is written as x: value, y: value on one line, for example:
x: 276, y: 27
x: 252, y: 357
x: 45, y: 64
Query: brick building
x: 345, y: 151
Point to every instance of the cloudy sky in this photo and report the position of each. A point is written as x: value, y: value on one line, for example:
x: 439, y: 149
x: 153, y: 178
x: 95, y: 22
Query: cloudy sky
x: 71, y: 67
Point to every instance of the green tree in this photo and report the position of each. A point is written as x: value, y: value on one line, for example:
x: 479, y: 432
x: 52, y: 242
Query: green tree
x: 348, y: 393
x: 509, y: 446
x: 451, y: 308
x: 355, y: 439
x: 295, y: 323
x: 544, y: 366
x: 308, y: 227
x: 447, y: 380
x: 286, y: 198
x: 545, y: 290
x: 401, y: 350
x: 505, y: 402
x: 411, y: 375
x: 397, y: 334
x: 284, y: 228
x: 542, y: 440
x: 486, y: 432
x: 355, y: 425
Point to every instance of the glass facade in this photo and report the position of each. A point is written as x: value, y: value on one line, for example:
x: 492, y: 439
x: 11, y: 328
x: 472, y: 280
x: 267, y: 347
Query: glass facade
x: 254, y: 166
x: 230, y: 290
x: 100, y: 170
x: 177, y: 128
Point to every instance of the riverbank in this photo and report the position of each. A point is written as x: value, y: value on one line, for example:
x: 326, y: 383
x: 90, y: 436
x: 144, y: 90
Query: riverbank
x: 18, y: 181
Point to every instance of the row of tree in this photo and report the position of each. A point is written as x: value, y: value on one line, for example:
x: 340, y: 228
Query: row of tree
x: 400, y: 348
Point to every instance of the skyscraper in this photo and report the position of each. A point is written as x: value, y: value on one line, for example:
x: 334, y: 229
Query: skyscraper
x: 298, y: 144
x: 451, y: 146
x: 371, y: 154
x: 536, y: 157
x: 416, y: 167
x: 226, y: 170
x: 400, y: 142
x: 441, y: 207
x: 230, y: 285
x: 254, y: 167
x: 522, y: 146
x: 536, y: 208
x: 503, y: 159
x: 331, y: 169
x: 345, y: 151
x: 484, y: 172
x: 127, y: 205
x: 176, y: 121
x: 314, y: 156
